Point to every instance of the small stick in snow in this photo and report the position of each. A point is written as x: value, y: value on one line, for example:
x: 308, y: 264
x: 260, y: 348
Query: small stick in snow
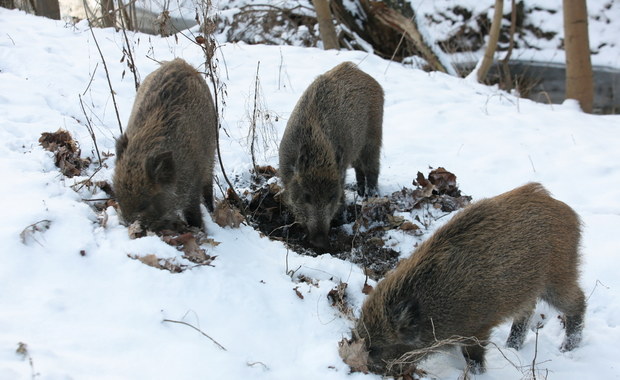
x: 91, y: 131
x: 197, y: 329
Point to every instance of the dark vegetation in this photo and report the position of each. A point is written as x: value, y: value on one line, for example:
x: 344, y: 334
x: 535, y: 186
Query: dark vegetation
x: 361, y: 234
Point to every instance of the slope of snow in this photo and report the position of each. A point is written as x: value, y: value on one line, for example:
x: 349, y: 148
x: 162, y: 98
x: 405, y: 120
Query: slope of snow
x: 86, y: 310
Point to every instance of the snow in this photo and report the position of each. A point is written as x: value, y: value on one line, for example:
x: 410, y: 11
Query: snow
x: 99, y: 315
x: 546, y: 15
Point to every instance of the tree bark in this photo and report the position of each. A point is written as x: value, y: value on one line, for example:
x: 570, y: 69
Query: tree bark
x: 10, y: 4
x: 489, y: 52
x: 107, y: 13
x: 409, y: 30
x: 326, y: 24
x: 579, y: 81
x: 47, y: 8
x: 506, y: 81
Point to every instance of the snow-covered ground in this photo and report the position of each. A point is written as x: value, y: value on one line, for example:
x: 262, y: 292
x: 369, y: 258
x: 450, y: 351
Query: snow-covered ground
x: 86, y: 310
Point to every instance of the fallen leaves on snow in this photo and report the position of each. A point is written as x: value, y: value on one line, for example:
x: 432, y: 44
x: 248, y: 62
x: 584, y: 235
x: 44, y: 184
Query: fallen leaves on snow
x: 66, y: 152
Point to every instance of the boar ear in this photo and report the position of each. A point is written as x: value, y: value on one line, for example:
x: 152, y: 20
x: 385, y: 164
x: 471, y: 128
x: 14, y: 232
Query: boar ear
x: 405, y: 317
x: 121, y: 145
x: 160, y: 168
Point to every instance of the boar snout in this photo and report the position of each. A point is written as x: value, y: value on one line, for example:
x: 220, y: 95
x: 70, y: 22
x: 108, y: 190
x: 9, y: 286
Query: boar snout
x: 319, y: 240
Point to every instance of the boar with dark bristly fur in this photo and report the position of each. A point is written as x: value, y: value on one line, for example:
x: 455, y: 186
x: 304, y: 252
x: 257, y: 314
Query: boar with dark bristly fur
x: 164, y: 160
x: 336, y: 123
x: 491, y: 262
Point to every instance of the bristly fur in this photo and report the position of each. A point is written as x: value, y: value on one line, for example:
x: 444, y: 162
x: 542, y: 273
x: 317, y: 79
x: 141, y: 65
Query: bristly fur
x: 164, y: 163
x: 489, y: 263
x: 336, y: 123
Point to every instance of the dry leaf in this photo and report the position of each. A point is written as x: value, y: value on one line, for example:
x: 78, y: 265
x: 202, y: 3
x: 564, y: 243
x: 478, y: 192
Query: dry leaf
x: 212, y: 242
x: 150, y: 260
x: 354, y: 354
x: 66, y: 152
x: 367, y: 288
x: 444, y: 181
x: 135, y: 230
x: 409, y: 226
x: 22, y: 349
x: 337, y: 294
x: 301, y: 296
x: 267, y: 171
x: 226, y: 216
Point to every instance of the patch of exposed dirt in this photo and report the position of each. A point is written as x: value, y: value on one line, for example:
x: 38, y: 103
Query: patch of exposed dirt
x: 360, y: 234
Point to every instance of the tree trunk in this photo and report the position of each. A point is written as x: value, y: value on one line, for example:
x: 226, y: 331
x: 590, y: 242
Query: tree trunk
x: 48, y: 8
x: 489, y: 52
x: 326, y: 24
x: 107, y: 13
x: 579, y: 82
x: 10, y: 4
x: 506, y: 80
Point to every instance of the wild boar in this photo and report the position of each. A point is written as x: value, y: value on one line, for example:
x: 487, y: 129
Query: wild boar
x: 490, y: 262
x: 164, y: 160
x: 336, y: 123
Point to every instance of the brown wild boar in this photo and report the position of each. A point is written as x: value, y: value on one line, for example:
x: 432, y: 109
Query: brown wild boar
x: 336, y: 123
x: 164, y: 160
x: 491, y: 262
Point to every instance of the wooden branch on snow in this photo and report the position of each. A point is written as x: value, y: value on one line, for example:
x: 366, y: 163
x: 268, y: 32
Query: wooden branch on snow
x: 394, y: 20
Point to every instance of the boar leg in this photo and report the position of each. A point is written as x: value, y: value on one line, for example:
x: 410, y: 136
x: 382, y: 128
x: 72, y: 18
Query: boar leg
x: 193, y: 215
x: 371, y: 158
x: 361, y: 179
x: 570, y: 300
x: 474, y: 354
x: 574, y: 327
x: 518, y: 331
x: 207, y: 193
x: 367, y: 172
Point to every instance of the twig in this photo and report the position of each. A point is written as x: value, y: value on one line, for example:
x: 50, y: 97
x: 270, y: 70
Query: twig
x: 595, y: 285
x: 107, y: 74
x: 208, y: 49
x: 90, y: 130
x: 546, y: 94
x: 197, y: 329
x: 253, y: 124
x: 22, y: 349
x: 132, y: 63
x: 402, y: 38
x: 281, y: 227
x: 413, y: 356
x: 252, y: 364
x: 84, y: 182
x: 538, y: 326
x: 34, y: 227
x: 531, y: 162
x: 91, y: 79
x: 279, y: 68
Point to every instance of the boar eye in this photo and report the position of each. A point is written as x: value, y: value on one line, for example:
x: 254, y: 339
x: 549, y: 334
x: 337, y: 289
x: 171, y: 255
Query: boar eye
x: 307, y: 198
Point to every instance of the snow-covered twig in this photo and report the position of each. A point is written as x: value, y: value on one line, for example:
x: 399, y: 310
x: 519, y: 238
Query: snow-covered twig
x: 197, y: 329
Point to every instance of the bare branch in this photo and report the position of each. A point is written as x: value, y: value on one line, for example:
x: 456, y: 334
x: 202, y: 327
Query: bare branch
x: 107, y: 74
